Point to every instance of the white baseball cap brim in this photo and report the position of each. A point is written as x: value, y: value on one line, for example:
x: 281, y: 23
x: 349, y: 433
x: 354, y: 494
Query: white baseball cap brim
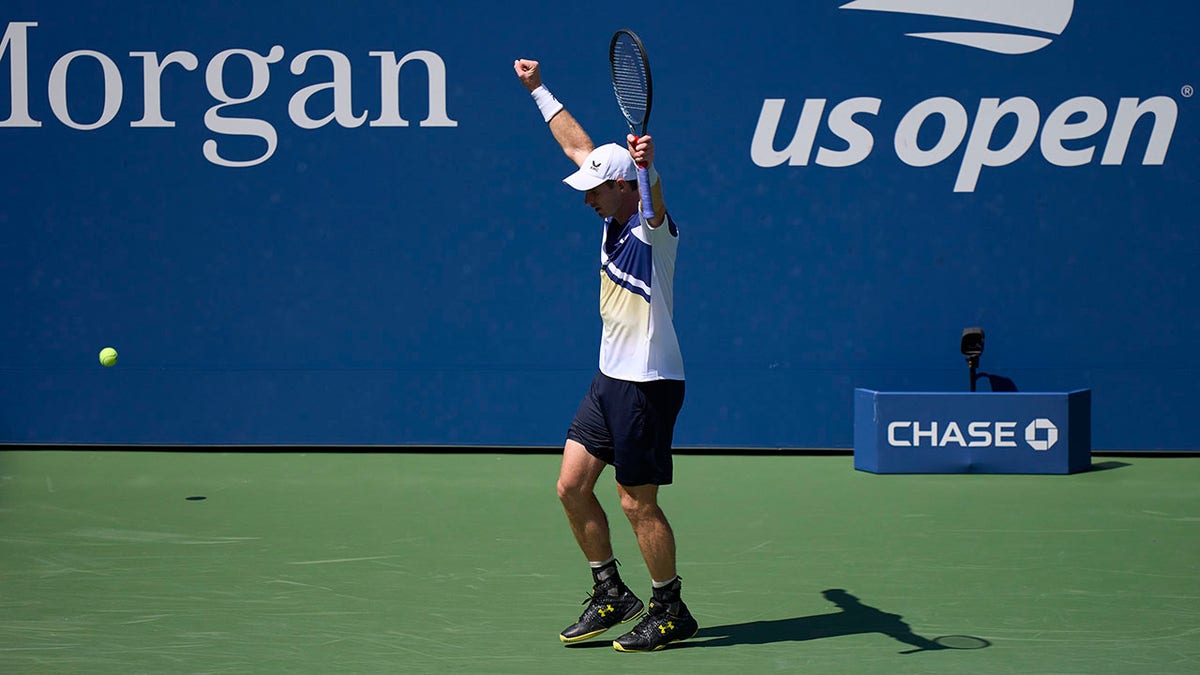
x: 605, y: 163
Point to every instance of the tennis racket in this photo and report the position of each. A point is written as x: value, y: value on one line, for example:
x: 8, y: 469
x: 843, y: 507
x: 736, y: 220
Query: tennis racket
x: 631, y: 84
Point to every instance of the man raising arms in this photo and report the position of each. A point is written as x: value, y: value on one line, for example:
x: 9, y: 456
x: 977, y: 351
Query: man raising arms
x: 627, y: 418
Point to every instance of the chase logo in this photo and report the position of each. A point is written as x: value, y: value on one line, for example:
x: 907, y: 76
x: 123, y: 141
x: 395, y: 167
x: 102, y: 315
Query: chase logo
x: 1033, y: 434
x: 1041, y: 434
x: 1048, y: 17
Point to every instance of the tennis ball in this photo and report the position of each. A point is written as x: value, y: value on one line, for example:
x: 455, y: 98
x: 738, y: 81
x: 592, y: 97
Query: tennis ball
x: 108, y: 356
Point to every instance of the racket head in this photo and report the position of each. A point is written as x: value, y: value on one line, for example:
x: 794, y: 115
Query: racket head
x: 631, y: 79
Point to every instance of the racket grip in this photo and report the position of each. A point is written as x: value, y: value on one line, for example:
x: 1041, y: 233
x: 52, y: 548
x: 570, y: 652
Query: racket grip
x: 643, y: 175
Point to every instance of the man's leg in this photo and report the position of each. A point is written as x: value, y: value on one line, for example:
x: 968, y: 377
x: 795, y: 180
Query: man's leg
x: 668, y: 618
x: 611, y: 601
x: 654, y: 534
x: 576, y: 491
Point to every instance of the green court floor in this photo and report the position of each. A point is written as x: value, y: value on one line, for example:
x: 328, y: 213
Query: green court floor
x: 463, y: 563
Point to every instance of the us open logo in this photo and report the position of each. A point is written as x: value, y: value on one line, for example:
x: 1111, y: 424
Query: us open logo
x: 1048, y: 17
x: 1076, y: 131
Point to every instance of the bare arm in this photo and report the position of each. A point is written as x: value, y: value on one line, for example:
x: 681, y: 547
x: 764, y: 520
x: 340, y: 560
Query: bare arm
x: 571, y: 137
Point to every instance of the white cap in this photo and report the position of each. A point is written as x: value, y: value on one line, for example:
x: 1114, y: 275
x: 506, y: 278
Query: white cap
x: 605, y: 163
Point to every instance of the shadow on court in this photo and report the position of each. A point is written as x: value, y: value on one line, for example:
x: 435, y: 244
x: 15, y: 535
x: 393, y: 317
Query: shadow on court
x: 853, y: 619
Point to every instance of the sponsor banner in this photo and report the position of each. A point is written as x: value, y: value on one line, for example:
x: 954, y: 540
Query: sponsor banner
x: 344, y: 224
x: 928, y: 432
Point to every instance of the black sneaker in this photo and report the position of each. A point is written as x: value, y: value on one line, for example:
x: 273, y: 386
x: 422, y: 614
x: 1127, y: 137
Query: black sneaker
x: 608, y: 605
x: 661, y: 626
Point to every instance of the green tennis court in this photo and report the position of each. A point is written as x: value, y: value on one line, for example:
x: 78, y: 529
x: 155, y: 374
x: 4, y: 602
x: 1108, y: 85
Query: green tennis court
x: 110, y: 562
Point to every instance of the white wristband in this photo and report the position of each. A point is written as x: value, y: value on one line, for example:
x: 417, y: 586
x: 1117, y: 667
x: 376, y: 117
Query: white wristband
x: 653, y: 174
x: 546, y: 103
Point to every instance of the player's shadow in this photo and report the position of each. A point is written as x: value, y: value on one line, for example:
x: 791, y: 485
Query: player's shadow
x: 853, y: 619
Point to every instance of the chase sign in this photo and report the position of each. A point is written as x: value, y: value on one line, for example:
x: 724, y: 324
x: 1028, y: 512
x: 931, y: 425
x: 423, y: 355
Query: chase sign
x: 897, y: 432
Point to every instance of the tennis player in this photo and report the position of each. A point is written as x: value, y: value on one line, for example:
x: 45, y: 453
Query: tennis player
x: 627, y: 418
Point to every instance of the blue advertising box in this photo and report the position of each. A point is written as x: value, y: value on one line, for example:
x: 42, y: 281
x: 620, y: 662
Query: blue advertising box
x: 983, y: 432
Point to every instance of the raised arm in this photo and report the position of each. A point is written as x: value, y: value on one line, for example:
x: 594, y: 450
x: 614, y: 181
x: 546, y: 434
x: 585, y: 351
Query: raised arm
x: 643, y: 153
x: 571, y: 137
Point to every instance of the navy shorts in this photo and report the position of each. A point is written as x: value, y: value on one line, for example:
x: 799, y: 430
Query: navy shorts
x: 630, y: 425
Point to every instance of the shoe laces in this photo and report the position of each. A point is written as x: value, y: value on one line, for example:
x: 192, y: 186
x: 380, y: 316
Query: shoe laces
x: 647, y: 627
x: 655, y: 614
x: 595, y: 602
x: 600, y: 593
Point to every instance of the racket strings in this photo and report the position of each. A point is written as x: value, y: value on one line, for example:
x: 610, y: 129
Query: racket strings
x: 631, y: 82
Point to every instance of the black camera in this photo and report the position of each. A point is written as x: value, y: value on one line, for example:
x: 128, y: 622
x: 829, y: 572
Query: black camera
x: 972, y: 346
x: 972, y: 343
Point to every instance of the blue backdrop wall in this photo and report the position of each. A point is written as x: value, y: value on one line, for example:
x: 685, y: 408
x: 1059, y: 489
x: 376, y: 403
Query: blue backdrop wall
x: 343, y: 223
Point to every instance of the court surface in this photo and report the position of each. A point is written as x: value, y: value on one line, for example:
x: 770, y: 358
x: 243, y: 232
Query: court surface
x: 462, y: 563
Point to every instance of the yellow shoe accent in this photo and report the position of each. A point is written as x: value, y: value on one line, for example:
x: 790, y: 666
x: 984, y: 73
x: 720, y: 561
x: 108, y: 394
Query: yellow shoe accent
x: 587, y: 636
x: 617, y: 646
x: 580, y: 638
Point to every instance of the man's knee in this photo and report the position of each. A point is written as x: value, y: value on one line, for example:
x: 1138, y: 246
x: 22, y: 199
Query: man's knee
x: 580, y: 470
x: 572, y: 489
x: 640, y: 503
